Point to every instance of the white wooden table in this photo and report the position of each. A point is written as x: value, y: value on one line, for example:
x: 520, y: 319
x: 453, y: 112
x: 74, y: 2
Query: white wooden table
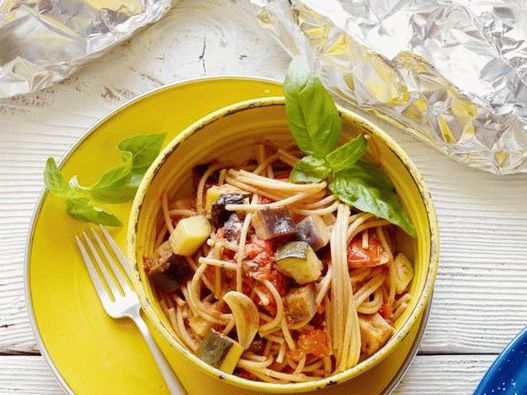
x: 480, y: 299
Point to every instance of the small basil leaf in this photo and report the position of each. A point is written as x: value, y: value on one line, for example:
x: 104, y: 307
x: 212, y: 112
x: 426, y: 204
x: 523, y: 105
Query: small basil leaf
x: 110, y: 179
x: 312, y: 116
x: 80, y: 207
x: 54, y: 180
x: 346, y: 155
x: 369, y: 189
x: 123, y: 190
x: 309, y: 169
x: 144, y: 148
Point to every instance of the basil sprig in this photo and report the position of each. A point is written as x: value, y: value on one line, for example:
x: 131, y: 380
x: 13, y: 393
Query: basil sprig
x: 117, y: 185
x: 316, y: 126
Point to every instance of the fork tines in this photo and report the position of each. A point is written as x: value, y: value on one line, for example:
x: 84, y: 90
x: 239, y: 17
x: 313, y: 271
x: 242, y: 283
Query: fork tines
x: 111, y: 271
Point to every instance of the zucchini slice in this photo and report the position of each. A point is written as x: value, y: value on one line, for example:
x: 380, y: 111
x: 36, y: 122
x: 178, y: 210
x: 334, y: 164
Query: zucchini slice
x: 219, y: 351
x: 298, y: 260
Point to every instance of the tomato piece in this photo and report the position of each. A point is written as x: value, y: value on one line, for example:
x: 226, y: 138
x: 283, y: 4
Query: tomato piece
x: 264, y: 200
x: 295, y: 354
x: 282, y: 175
x: 374, y: 255
x: 314, y: 342
x: 245, y: 375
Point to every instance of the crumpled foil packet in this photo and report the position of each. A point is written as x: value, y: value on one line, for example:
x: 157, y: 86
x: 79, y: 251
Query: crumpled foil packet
x: 44, y: 41
x: 454, y: 73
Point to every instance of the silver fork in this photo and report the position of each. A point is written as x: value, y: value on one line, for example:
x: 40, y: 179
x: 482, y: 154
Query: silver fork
x: 122, y: 301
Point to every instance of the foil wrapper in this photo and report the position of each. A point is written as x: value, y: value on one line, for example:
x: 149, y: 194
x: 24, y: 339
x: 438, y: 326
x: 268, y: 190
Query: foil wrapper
x: 44, y: 41
x: 453, y: 73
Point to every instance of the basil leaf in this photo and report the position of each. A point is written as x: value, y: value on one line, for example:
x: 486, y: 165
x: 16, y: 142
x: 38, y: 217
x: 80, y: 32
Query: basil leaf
x: 54, y: 180
x: 144, y: 148
x: 110, y: 179
x: 309, y: 169
x: 122, y: 190
x: 346, y: 155
x: 369, y: 189
x: 312, y: 116
x: 81, y: 207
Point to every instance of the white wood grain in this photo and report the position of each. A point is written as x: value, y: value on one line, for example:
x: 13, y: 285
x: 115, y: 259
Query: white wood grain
x: 27, y: 375
x: 427, y: 374
x: 444, y: 374
x: 480, y: 299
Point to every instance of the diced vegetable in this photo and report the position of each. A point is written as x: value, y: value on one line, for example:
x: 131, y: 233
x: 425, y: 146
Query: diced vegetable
x: 374, y: 332
x: 257, y: 345
x: 215, y: 191
x: 245, y: 316
x: 298, y: 260
x: 189, y: 235
x: 374, y: 255
x: 199, y: 170
x: 170, y: 271
x: 271, y: 223
x: 219, y: 351
x: 232, y: 227
x: 404, y: 272
x: 315, y: 342
x: 170, y: 279
x: 161, y: 258
x: 300, y: 306
x: 199, y: 325
x: 218, y: 213
x: 313, y: 230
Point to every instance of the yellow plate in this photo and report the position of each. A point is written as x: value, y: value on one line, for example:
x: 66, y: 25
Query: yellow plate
x: 90, y: 352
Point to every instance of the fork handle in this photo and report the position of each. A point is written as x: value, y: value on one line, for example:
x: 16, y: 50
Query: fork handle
x: 173, y: 384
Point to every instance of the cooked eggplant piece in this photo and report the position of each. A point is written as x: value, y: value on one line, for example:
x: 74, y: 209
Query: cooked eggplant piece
x: 404, y: 272
x: 214, y: 193
x: 177, y: 271
x: 271, y: 223
x: 199, y: 170
x: 160, y: 260
x: 314, y: 231
x: 218, y: 213
x: 219, y: 351
x: 189, y: 235
x: 374, y: 332
x: 257, y: 346
x: 298, y: 260
x: 300, y: 306
x: 232, y: 227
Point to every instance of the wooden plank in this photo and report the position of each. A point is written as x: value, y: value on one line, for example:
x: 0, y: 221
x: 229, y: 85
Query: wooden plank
x: 444, y: 374
x: 27, y: 375
x: 427, y: 374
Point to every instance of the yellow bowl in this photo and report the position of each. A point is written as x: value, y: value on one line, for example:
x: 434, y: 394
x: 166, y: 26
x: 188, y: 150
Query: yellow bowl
x: 230, y: 134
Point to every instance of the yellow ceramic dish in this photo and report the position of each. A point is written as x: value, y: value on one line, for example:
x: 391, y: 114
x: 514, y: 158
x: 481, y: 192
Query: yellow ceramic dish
x: 230, y: 134
x: 87, y: 351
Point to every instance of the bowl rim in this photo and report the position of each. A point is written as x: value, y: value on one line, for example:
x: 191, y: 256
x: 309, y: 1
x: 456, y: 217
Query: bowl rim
x: 367, y: 364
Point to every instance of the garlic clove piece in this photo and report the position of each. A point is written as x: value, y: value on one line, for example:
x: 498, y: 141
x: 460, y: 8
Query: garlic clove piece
x: 245, y: 315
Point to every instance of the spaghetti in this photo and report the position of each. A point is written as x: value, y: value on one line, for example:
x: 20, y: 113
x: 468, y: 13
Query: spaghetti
x: 301, y: 323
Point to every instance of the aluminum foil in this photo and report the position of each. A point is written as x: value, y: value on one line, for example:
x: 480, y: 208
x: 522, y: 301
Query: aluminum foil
x: 453, y: 73
x: 44, y: 41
